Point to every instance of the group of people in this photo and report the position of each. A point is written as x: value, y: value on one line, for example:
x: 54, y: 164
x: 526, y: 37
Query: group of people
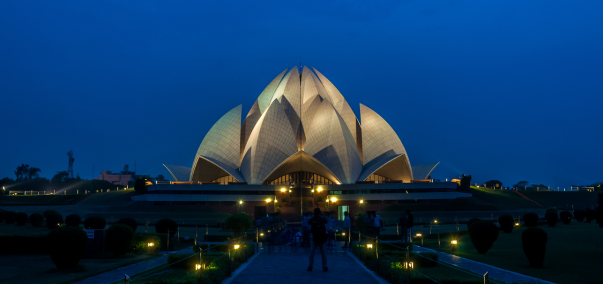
x: 373, y: 224
x: 407, y: 221
x: 331, y: 226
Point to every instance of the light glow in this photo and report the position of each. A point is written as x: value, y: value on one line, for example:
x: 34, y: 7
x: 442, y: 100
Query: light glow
x: 240, y: 201
x: 150, y: 244
x: 319, y: 189
x: 268, y: 200
x: 370, y: 246
x: 409, y: 265
x: 361, y: 200
x: 454, y: 242
x: 283, y: 189
x: 333, y: 199
x: 419, y: 234
x: 198, y: 267
x: 236, y: 246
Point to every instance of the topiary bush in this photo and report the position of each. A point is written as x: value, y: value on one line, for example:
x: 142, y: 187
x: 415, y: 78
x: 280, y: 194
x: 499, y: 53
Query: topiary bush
x: 483, y: 234
x: 21, y: 218
x: 506, y: 223
x: 590, y: 215
x: 579, y: 215
x: 566, y: 217
x: 10, y: 217
x: 163, y: 225
x: 73, y: 220
x: 118, y: 239
x: 471, y: 221
x: 238, y: 223
x: 53, y: 219
x: 36, y: 219
x: 128, y: 221
x: 95, y: 223
x: 534, y: 245
x: 551, y: 216
x: 530, y: 219
x: 66, y: 246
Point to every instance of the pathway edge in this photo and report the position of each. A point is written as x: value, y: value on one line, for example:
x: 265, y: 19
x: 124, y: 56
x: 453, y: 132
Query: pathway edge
x: 240, y: 269
x: 370, y: 272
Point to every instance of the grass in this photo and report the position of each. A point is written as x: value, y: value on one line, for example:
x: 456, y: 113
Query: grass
x: 38, y: 199
x: 573, y: 252
x: 561, y: 199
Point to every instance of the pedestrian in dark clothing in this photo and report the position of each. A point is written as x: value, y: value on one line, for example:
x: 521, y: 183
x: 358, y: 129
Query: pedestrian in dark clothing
x: 410, y: 224
x: 403, y: 226
x: 319, y: 236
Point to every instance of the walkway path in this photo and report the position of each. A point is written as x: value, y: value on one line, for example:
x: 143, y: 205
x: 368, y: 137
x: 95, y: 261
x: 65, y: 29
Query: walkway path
x: 482, y: 268
x: 130, y: 270
x: 290, y: 267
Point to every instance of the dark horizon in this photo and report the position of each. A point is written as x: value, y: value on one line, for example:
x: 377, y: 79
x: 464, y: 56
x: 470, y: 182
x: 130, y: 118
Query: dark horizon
x: 496, y: 90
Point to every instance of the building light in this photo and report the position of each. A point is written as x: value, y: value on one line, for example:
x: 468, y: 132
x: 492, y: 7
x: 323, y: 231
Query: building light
x: 283, y: 189
x: 268, y: 200
x: 333, y: 199
x: 361, y: 200
x: 319, y: 189
x: 240, y: 201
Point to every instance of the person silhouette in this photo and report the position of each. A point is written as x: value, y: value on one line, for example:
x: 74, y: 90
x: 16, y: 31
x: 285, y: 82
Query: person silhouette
x: 319, y: 237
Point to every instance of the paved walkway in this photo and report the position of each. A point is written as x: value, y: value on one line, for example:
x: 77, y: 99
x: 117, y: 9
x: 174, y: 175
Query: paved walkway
x: 290, y: 267
x: 130, y: 270
x: 482, y: 268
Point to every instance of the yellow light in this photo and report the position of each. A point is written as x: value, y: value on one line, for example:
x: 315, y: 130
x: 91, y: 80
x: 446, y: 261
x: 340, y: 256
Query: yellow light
x: 274, y: 200
x: 319, y: 189
x: 343, y: 234
x: 261, y: 234
x: 198, y: 267
x: 283, y: 189
x: 268, y: 200
x: 240, y: 201
x: 361, y: 201
x: 408, y: 265
x: 150, y: 244
x: 454, y: 242
x: 333, y: 199
x: 369, y: 246
x: 236, y: 246
x: 419, y: 234
x: 435, y: 221
x: 516, y: 224
x: 312, y: 190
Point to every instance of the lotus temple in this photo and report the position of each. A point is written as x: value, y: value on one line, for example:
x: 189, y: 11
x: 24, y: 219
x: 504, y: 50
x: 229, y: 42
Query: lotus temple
x: 300, y: 146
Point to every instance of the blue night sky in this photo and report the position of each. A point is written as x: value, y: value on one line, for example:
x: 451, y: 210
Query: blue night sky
x: 508, y: 90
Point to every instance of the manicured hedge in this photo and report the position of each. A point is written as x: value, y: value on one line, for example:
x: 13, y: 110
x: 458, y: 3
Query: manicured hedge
x: 530, y: 219
x: 118, y: 239
x: 534, y: 245
x: 471, y: 221
x: 73, y: 220
x: 128, y: 221
x: 162, y: 226
x: 551, y: 216
x: 565, y: 217
x: 506, y: 223
x: 66, y: 246
x: 95, y: 222
x: 21, y: 218
x: 53, y: 219
x: 36, y: 219
x: 10, y: 217
x: 483, y: 234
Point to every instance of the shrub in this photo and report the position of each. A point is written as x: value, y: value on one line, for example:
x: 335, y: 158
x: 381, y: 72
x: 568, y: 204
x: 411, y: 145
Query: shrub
x: 579, y: 215
x: 10, y: 217
x: 471, y: 221
x: 95, y: 222
x: 21, y: 218
x: 530, y: 219
x: 590, y: 215
x: 128, y: 221
x: 163, y: 225
x: 73, y: 220
x: 140, y: 186
x: 140, y: 243
x: 483, y: 234
x: 53, y: 220
x: 506, y: 223
x: 238, y: 223
x: 566, y: 217
x: 36, y: 219
x: 118, y: 239
x: 534, y: 245
x: 551, y: 216
x: 66, y: 246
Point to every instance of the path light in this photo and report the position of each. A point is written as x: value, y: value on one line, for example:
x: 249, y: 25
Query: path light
x: 150, y: 244
x: 409, y: 265
x: 418, y: 235
x: 454, y: 242
x: 343, y: 233
x: 198, y: 267
x: 261, y: 234
x: 369, y: 246
x: 516, y: 224
x: 435, y: 221
x: 236, y: 246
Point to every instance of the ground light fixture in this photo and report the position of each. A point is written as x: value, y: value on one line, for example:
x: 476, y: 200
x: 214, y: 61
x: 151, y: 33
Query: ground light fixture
x: 236, y: 246
x: 409, y: 265
x: 516, y: 224
x: 418, y: 235
x: 198, y: 267
x: 454, y: 242
x: 150, y: 244
x: 435, y: 221
x: 343, y: 233
x: 369, y: 246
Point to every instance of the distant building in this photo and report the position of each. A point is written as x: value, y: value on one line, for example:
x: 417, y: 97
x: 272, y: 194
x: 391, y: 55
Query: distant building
x: 122, y: 178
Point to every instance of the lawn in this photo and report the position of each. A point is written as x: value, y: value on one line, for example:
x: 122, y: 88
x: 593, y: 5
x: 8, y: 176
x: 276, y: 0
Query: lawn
x: 561, y: 199
x: 38, y: 199
x: 573, y: 253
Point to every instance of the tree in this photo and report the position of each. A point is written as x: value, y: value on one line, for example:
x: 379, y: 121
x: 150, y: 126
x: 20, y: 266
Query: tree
x: 494, y: 184
x: 465, y: 182
x: 140, y: 186
x: 523, y: 183
x: 238, y: 223
x: 60, y: 177
x: 160, y: 178
x: 21, y: 172
x: 33, y: 173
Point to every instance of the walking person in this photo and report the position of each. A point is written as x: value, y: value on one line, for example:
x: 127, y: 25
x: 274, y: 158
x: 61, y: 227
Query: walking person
x: 377, y: 224
x: 319, y: 236
x: 368, y: 223
x: 347, y: 224
x: 409, y: 225
x: 403, y: 227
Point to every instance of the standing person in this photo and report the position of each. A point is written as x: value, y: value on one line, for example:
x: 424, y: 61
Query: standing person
x: 403, y: 226
x: 319, y: 236
x: 330, y: 230
x: 347, y: 224
x: 377, y: 223
x: 368, y: 223
x: 410, y: 224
